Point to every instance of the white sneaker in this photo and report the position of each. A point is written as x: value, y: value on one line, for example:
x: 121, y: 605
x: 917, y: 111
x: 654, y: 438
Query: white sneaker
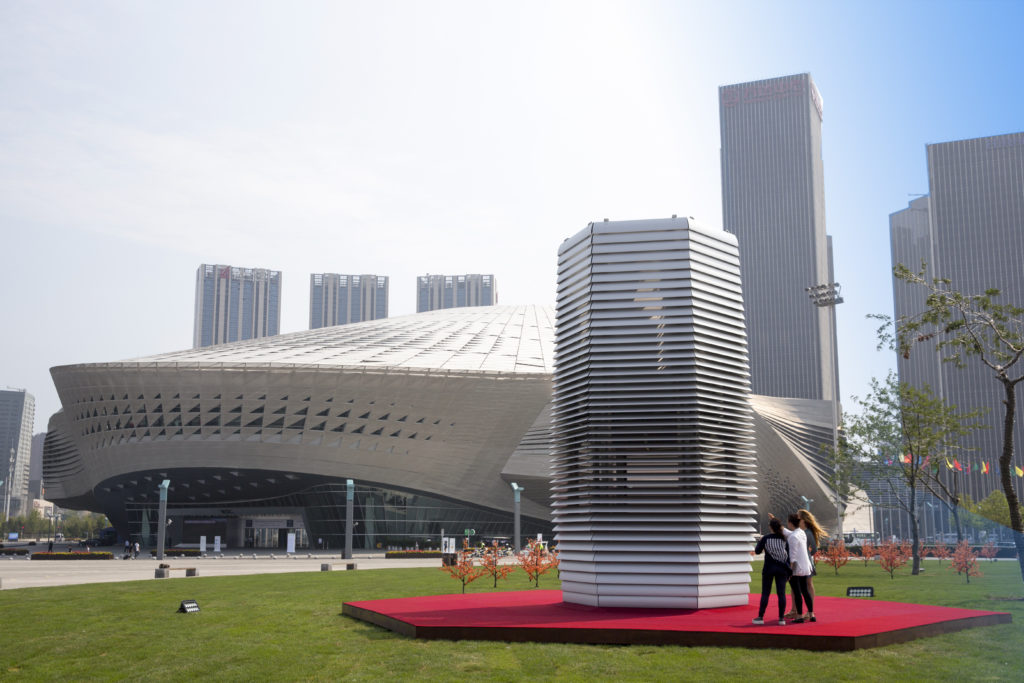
x: 759, y: 621
x: 782, y: 622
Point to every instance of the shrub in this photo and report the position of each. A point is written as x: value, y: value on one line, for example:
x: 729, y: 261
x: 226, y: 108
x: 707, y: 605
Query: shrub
x: 411, y: 554
x: 178, y: 552
x: 13, y: 551
x: 98, y: 555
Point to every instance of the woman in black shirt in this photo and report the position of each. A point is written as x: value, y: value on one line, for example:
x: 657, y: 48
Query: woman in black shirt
x: 776, y: 569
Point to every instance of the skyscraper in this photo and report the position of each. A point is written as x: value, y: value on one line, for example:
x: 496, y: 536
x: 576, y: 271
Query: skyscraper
x: 969, y: 229
x: 17, y: 418
x: 773, y: 200
x: 454, y: 291
x: 233, y: 304
x: 338, y: 299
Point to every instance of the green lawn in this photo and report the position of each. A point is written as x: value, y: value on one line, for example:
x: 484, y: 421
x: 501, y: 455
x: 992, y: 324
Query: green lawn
x: 289, y: 627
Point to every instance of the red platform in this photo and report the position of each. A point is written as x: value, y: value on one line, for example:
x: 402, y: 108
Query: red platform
x: 540, y: 615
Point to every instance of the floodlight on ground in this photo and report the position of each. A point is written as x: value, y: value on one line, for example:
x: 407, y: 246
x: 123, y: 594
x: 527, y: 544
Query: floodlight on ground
x: 188, y: 606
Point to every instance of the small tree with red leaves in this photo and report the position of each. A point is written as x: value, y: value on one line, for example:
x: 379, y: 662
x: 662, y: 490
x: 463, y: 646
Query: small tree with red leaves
x: 537, y: 560
x: 965, y: 561
x: 940, y: 551
x: 867, y: 551
x: 835, y: 554
x: 489, y: 565
x: 463, y: 569
x: 892, y: 556
x: 988, y: 551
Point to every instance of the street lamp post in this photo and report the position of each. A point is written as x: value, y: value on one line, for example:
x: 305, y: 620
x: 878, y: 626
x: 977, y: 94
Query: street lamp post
x: 7, y: 488
x: 517, y: 489
x: 828, y: 296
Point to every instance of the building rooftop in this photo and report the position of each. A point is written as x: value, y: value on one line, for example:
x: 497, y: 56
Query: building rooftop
x: 516, y: 339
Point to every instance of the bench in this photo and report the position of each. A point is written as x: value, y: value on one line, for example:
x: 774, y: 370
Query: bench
x: 349, y: 566
x: 165, y: 572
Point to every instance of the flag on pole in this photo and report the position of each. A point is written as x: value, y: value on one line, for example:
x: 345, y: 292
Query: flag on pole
x: 926, y: 459
x: 949, y: 465
x: 984, y: 467
x: 1019, y: 471
x: 968, y: 466
x: 906, y: 458
x: 957, y: 465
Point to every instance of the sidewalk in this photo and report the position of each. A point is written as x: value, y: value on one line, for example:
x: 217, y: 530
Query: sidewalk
x: 23, y: 573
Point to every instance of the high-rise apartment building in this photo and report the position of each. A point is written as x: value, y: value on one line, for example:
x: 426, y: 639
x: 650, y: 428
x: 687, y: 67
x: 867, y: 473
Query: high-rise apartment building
x: 454, y: 291
x: 338, y: 299
x: 17, y: 419
x: 969, y: 229
x: 773, y: 200
x: 233, y: 304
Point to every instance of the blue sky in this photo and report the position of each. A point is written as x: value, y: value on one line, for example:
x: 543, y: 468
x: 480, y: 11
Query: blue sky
x: 138, y: 140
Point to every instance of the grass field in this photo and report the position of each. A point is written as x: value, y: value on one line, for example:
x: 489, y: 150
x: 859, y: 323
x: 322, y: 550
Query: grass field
x: 289, y: 627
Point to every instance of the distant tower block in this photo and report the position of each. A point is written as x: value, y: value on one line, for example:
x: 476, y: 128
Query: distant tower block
x: 653, y: 451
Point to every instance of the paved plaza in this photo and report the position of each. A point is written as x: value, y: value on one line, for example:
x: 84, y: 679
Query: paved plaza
x: 20, y: 572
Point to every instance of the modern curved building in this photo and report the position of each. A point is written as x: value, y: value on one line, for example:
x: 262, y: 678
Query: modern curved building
x: 432, y: 415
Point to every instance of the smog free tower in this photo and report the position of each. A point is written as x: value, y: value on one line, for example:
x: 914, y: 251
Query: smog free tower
x: 653, y: 491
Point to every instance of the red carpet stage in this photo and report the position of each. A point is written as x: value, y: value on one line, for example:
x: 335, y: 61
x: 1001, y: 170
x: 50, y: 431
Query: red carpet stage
x: 540, y: 615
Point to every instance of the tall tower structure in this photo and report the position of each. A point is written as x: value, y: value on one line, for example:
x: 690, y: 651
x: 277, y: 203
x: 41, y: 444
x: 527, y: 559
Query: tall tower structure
x: 339, y: 299
x: 17, y: 418
x: 773, y: 200
x: 434, y: 292
x: 969, y: 229
x: 653, y: 462
x: 233, y: 304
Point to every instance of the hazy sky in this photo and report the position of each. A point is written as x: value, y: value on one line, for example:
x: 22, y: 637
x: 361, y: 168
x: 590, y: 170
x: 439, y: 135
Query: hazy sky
x: 138, y: 140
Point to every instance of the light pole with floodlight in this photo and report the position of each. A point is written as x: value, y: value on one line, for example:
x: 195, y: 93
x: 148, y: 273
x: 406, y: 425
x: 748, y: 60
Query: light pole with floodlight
x: 829, y: 296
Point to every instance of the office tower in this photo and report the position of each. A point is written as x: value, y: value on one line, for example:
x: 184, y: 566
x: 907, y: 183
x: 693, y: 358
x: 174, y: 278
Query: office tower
x: 454, y: 291
x: 233, y: 304
x: 17, y: 418
x: 338, y: 299
x: 969, y: 229
x: 773, y: 200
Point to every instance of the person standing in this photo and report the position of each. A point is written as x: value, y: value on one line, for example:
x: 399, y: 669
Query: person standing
x: 776, y: 569
x: 800, y: 563
x: 815, y: 533
x: 136, y: 551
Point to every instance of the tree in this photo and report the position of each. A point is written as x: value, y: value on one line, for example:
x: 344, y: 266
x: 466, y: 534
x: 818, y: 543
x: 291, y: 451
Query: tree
x: 537, y: 560
x: 976, y: 328
x: 835, y: 554
x: 940, y: 551
x: 892, y: 556
x: 489, y: 564
x: 867, y: 551
x: 463, y: 569
x: 965, y: 561
x: 993, y: 508
x: 901, y: 435
x: 988, y: 551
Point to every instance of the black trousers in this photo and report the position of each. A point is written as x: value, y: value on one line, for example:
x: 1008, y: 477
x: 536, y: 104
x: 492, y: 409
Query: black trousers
x: 800, y: 593
x: 766, y: 591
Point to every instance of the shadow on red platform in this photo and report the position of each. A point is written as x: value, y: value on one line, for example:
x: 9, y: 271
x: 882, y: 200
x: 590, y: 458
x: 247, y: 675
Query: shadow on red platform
x: 541, y: 616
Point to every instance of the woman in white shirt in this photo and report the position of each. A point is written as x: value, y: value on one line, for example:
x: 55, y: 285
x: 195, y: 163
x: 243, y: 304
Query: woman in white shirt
x: 800, y: 562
